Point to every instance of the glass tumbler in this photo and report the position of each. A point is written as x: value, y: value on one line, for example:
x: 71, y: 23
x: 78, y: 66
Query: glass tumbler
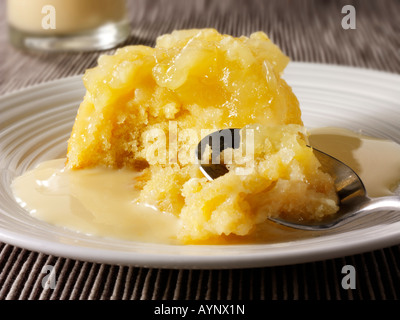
x: 67, y: 25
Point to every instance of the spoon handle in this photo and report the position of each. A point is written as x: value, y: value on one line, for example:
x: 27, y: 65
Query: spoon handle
x: 367, y: 206
x: 390, y: 203
x: 382, y: 203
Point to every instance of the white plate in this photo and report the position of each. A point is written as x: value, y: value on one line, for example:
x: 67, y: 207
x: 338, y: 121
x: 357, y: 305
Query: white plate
x: 36, y: 123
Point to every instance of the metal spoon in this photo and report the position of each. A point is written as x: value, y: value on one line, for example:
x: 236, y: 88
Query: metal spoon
x: 354, y: 202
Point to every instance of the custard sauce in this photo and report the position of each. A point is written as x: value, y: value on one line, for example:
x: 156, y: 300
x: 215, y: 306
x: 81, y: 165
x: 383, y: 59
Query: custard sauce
x: 102, y: 202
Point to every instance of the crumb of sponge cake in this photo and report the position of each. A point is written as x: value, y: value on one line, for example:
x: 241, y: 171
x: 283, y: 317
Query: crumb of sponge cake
x: 200, y: 79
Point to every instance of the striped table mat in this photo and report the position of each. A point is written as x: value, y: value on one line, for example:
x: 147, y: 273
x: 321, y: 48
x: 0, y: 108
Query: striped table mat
x: 306, y: 30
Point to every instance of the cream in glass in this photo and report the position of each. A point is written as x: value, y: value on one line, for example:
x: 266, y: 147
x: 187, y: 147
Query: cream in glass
x: 71, y: 25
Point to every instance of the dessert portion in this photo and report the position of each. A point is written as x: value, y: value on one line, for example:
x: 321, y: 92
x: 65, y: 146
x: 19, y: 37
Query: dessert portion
x: 146, y: 109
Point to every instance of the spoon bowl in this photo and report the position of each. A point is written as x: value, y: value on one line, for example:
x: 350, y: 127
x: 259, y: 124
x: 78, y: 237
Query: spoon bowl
x: 354, y: 202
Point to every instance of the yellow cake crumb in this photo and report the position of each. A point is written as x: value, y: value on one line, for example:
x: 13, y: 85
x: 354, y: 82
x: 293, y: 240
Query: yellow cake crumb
x: 147, y: 108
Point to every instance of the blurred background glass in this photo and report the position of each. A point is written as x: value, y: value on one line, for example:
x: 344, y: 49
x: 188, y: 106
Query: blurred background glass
x: 67, y: 25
